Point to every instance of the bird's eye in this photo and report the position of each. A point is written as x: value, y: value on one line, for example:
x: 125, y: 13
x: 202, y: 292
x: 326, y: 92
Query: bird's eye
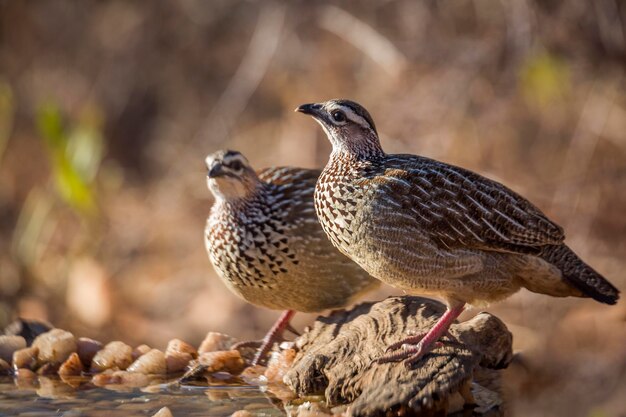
x: 236, y: 165
x: 338, y: 116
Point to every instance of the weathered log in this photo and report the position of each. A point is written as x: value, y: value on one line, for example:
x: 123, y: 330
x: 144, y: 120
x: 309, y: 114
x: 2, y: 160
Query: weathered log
x: 337, y: 357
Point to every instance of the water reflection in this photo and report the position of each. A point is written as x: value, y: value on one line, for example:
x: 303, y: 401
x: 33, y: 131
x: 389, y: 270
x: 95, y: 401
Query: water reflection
x: 49, y: 396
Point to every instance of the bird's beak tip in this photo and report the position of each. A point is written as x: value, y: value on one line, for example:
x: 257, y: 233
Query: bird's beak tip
x: 214, y: 172
x: 308, y: 108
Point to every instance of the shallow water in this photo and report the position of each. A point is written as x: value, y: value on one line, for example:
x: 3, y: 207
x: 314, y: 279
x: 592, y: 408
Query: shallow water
x: 52, y: 397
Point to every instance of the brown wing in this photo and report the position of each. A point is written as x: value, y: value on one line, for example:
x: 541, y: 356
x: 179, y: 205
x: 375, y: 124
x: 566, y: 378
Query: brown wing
x: 460, y: 208
x: 280, y: 176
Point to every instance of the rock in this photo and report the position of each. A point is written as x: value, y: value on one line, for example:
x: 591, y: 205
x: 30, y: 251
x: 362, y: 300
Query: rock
x: 25, y: 358
x: 25, y: 378
x: 115, y: 355
x: 254, y: 375
x: 87, y: 349
x: 5, y: 367
x: 242, y: 413
x: 178, y: 355
x: 28, y: 329
x: 121, y: 378
x: 278, y: 365
x: 73, y: 366
x: 177, y: 362
x: 9, y: 344
x: 215, y: 342
x: 54, y: 388
x: 152, y: 363
x: 55, y: 346
x: 48, y: 368
x: 226, y: 360
x: 310, y: 409
x: 178, y: 346
x: 140, y: 350
x: 337, y: 357
x: 163, y: 412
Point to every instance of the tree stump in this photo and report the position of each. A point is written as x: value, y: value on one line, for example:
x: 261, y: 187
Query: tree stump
x: 337, y: 357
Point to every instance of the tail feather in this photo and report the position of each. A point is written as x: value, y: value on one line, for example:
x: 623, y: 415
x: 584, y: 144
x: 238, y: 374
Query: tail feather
x: 580, y: 275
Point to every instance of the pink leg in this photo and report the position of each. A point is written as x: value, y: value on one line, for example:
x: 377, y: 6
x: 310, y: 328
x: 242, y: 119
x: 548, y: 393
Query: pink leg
x: 415, y: 347
x: 275, y: 333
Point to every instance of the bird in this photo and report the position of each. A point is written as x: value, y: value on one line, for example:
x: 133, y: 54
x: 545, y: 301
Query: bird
x: 431, y: 228
x: 263, y: 239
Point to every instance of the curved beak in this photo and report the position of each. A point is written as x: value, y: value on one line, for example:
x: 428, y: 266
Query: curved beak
x: 312, y: 109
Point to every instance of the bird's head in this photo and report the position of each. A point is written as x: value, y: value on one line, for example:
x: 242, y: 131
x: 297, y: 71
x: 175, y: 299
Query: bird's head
x: 349, y: 127
x: 230, y: 176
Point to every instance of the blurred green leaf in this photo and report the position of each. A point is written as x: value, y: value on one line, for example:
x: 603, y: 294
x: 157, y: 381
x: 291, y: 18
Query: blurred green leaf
x: 86, y: 146
x: 50, y: 126
x: 545, y: 79
x: 75, y: 154
x: 71, y: 186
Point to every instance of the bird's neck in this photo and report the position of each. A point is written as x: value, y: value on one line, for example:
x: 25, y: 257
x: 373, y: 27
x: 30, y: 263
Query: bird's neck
x: 357, y: 148
x: 346, y: 155
x: 255, y: 194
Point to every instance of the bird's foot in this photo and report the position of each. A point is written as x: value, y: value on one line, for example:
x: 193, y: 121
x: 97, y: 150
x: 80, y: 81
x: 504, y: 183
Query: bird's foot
x: 413, y: 348
x: 416, y: 338
x: 411, y: 340
x: 409, y: 353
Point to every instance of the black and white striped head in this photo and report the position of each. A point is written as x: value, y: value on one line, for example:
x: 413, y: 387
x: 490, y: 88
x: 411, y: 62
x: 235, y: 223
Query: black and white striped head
x: 230, y: 176
x: 349, y: 127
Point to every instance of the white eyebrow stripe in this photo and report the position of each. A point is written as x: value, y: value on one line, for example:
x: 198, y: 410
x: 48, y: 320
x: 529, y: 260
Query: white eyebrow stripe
x: 351, y: 114
x: 228, y: 159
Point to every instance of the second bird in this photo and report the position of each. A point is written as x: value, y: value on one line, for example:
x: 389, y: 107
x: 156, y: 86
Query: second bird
x: 265, y: 242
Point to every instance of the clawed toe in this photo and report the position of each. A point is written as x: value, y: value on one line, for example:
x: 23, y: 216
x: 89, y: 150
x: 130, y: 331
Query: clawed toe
x: 247, y: 344
x: 410, y: 354
x: 406, y: 353
x: 411, y: 340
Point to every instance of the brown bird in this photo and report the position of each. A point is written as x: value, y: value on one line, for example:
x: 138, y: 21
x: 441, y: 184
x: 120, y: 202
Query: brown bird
x: 265, y: 242
x: 432, y: 228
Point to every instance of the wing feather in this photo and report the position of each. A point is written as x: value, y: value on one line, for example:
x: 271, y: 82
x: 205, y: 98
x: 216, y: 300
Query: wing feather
x: 460, y: 208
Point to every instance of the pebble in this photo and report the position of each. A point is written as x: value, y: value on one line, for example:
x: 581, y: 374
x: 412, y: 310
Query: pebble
x: 140, y: 350
x: 226, y: 360
x: 178, y: 346
x: 278, y: 365
x: 48, y: 368
x: 9, y: 344
x: 5, y: 367
x: 152, y: 363
x: 215, y: 341
x: 242, y: 413
x: 163, y: 412
x: 254, y: 375
x: 114, y: 355
x: 73, y: 366
x: 123, y: 378
x: 178, y: 355
x: 25, y: 378
x: 87, y: 349
x: 55, y: 346
x: 25, y: 358
x: 53, y: 388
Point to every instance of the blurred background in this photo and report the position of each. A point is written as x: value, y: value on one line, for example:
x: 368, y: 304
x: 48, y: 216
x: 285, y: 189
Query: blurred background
x: 107, y: 110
